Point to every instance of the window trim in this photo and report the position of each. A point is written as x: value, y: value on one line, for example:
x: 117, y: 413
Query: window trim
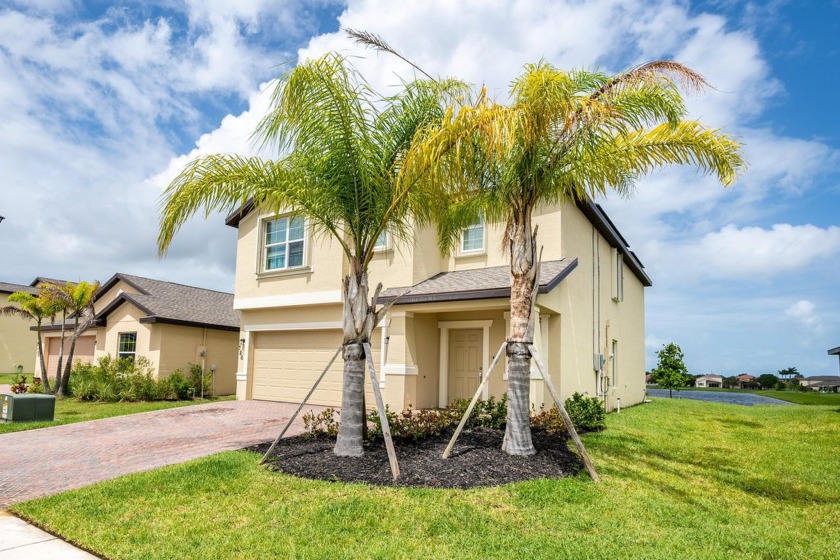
x: 124, y: 353
x: 474, y: 226
x: 385, y: 246
x: 618, y: 276
x: 262, y: 256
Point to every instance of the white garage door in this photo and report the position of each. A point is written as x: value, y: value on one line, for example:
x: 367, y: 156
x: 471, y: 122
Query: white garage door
x: 286, y: 364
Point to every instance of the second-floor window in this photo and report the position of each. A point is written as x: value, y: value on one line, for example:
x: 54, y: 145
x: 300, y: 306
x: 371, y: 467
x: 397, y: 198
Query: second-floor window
x: 383, y: 242
x: 472, y: 237
x: 284, y: 239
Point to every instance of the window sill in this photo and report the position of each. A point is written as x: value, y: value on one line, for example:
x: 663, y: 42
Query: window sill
x: 470, y: 254
x: 297, y: 271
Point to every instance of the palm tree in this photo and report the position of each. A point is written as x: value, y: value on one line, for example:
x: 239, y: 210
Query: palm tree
x: 77, y: 301
x: 564, y: 136
x: 37, y: 308
x: 342, y: 150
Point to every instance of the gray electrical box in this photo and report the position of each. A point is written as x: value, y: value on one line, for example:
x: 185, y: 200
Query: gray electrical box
x: 27, y: 408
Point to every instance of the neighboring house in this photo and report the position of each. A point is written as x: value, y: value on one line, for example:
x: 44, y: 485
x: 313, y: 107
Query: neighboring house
x: 711, y: 380
x: 17, y: 343
x: 745, y: 380
x: 824, y: 383
x: 442, y: 333
x: 171, y: 325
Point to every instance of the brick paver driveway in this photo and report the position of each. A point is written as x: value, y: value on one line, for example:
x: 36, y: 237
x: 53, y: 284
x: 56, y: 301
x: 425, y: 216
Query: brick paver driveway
x: 47, y: 461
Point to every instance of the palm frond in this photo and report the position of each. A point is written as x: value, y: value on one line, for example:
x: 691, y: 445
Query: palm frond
x: 373, y: 41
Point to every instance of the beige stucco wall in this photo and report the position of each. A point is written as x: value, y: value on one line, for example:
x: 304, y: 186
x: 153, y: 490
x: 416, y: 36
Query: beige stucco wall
x: 591, y: 320
x: 179, y: 346
x: 17, y: 342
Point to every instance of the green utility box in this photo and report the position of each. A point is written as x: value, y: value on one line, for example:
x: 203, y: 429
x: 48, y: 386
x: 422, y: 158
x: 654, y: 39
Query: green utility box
x: 27, y: 408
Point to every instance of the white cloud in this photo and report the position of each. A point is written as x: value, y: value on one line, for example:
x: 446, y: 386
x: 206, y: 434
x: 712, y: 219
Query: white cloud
x: 804, y: 312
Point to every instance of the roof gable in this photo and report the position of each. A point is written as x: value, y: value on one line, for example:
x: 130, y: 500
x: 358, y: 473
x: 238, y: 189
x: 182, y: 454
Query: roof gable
x: 168, y: 302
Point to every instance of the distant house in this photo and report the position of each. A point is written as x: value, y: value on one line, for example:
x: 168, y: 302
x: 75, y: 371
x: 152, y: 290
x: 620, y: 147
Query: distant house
x: 171, y: 325
x: 822, y: 383
x: 711, y: 380
x: 17, y: 344
x: 745, y: 380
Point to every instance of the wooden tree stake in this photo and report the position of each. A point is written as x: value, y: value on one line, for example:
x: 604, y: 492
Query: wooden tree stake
x: 302, y: 404
x: 590, y: 468
x: 383, y: 418
x: 473, y: 401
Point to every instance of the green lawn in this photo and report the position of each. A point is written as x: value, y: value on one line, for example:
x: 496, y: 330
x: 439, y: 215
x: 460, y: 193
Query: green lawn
x: 9, y: 378
x: 68, y: 411
x: 681, y: 479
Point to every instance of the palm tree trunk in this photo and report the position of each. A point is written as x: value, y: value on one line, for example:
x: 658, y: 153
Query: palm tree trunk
x: 61, y: 352
x: 358, y: 323
x: 44, y: 379
x: 61, y: 389
x: 523, y: 286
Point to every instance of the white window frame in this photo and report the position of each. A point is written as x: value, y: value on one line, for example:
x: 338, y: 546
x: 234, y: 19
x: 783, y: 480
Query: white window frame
x: 481, y: 223
x: 263, y: 262
x: 125, y: 354
x: 386, y: 245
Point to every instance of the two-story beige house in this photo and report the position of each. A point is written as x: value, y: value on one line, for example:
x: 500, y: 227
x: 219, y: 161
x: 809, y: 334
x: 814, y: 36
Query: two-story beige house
x: 443, y: 332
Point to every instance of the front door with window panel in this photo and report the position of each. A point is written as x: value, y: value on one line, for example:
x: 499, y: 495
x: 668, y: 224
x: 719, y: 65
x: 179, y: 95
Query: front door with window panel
x: 465, y: 353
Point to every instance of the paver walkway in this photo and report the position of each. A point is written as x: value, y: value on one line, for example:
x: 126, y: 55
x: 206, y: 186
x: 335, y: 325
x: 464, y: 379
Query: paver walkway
x: 34, y: 463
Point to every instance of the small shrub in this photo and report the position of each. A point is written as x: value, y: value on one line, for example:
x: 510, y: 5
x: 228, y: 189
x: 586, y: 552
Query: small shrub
x: 550, y: 421
x: 321, y: 425
x: 587, y: 413
x: 20, y: 386
x: 200, y: 377
x: 411, y: 425
x: 489, y: 414
x: 36, y: 386
x: 181, y: 387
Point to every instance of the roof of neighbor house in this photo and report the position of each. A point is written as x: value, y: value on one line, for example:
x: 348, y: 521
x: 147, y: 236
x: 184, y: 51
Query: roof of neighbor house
x: 168, y: 302
x: 745, y: 377
x: 592, y: 210
x: 710, y: 376
x: 819, y: 384
x: 8, y: 288
x: 818, y: 378
x: 834, y: 351
x: 45, y: 280
x: 479, y: 283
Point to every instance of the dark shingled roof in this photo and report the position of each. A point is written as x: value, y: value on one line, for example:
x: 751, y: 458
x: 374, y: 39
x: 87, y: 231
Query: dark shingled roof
x: 834, y: 351
x: 480, y: 283
x: 822, y: 378
x: 45, y: 280
x: 8, y: 288
x: 167, y: 302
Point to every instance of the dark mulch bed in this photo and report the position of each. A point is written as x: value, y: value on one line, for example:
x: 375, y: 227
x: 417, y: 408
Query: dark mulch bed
x: 476, y: 460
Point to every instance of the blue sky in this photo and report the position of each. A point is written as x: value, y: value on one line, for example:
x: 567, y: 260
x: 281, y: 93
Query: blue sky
x: 102, y: 103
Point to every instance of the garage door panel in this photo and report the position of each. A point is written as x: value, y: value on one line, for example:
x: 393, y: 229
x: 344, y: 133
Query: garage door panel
x: 286, y: 365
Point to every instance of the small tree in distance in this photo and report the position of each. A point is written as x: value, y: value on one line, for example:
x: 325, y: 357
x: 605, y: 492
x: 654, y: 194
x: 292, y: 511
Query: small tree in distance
x: 767, y: 380
x: 670, y: 372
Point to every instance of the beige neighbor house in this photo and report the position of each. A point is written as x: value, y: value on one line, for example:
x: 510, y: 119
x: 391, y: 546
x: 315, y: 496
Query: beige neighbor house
x: 16, y: 341
x: 172, y: 325
x: 711, y: 380
x: 440, y: 335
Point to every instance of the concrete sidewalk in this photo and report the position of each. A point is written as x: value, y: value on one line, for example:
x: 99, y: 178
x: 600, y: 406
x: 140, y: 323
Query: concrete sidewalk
x: 21, y: 541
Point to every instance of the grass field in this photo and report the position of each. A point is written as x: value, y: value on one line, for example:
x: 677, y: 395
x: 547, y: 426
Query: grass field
x: 9, y: 378
x: 681, y: 479
x: 70, y: 410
